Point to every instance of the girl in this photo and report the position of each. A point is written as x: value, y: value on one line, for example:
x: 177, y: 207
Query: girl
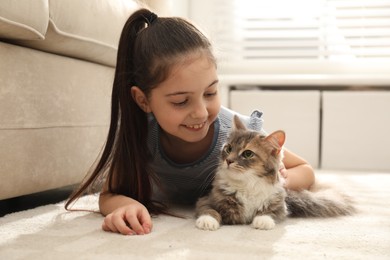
x: 167, y: 125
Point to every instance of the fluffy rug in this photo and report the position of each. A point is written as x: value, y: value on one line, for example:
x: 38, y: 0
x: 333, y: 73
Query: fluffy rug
x: 49, y: 232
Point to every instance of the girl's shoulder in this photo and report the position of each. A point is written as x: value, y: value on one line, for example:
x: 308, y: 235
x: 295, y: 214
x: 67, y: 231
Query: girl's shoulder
x: 253, y: 121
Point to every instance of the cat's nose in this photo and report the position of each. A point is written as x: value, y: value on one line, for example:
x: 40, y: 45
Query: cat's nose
x: 228, y: 161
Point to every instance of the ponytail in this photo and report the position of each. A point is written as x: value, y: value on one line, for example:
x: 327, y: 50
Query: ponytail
x: 125, y: 158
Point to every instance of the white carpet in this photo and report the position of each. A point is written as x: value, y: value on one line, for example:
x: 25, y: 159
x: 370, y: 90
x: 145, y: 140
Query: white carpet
x: 49, y: 232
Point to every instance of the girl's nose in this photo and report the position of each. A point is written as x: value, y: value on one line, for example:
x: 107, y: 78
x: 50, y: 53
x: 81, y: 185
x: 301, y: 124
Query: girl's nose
x: 200, y: 110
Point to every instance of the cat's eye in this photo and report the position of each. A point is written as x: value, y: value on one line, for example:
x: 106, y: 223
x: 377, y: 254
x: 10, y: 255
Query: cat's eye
x: 228, y: 148
x: 247, y: 154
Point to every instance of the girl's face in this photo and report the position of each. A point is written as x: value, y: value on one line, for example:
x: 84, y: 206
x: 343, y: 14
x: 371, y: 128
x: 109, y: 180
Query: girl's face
x: 187, y: 103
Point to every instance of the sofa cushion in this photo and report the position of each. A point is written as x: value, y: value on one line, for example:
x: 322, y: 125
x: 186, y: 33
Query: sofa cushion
x: 24, y: 19
x: 88, y: 29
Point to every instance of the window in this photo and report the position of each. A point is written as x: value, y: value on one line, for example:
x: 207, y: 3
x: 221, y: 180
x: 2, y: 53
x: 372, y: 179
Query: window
x: 336, y: 35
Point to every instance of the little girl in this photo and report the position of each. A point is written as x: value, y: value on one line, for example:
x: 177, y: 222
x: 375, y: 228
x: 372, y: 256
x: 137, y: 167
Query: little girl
x: 167, y: 125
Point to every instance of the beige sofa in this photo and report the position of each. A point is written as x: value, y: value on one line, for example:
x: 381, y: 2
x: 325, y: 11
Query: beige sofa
x: 57, y: 62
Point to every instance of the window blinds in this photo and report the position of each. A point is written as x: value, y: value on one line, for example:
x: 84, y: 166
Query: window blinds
x: 308, y: 30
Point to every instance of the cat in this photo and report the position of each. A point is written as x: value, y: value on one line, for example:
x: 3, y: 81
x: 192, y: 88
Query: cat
x: 248, y: 189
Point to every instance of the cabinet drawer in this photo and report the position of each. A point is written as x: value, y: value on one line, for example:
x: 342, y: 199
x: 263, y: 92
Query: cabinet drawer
x: 356, y: 127
x: 296, y: 112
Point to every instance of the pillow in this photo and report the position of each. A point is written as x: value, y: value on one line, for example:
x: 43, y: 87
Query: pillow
x: 87, y: 29
x: 24, y: 19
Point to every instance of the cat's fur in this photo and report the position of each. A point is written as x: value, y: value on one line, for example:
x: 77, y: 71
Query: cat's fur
x: 248, y: 189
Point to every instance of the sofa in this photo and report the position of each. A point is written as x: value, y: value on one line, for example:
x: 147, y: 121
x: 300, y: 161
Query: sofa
x: 57, y: 61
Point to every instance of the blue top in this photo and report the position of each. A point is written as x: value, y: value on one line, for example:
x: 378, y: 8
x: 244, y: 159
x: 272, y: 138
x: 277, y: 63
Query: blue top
x: 185, y: 183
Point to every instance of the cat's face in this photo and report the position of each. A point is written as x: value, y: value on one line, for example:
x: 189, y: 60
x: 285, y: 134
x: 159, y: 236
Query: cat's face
x: 249, y: 153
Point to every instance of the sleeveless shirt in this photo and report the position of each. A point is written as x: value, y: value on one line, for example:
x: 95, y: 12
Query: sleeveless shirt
x: 184, y: 183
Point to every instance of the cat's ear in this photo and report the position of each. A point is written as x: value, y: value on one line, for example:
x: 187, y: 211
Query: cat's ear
x: 276, y: 139
x: 238, y: 125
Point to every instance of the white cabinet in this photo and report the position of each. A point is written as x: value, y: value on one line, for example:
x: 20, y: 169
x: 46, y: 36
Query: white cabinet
x: 340, y: 129
x: 356, y: 130
x: 296, y: 112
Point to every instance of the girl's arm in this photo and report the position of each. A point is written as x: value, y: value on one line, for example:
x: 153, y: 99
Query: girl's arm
x: 124, y: 215
x: 298, y: 174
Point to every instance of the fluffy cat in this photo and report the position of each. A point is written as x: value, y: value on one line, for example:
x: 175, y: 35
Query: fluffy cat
x: 248, y: 189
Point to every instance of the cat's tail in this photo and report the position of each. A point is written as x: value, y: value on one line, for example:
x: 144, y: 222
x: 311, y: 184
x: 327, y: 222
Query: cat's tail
x: 321, y: 203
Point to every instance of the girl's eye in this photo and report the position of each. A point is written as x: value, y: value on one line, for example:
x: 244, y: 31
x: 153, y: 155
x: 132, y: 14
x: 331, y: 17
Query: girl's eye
x: 247, y: 154
x: 211, y: 94
x: 180, y: 103
x: 228, y: 149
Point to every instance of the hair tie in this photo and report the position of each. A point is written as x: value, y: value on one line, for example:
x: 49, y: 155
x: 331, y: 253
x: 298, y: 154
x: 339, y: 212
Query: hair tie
x: 152, y: 18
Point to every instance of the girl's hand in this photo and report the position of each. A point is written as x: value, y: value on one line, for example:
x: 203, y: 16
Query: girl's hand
x: 297, y: 173
x: 133, y: 219
x: 283, y: 173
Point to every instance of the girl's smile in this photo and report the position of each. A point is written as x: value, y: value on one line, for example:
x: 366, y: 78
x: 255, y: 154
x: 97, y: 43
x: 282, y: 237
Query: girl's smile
x: 196, y: 127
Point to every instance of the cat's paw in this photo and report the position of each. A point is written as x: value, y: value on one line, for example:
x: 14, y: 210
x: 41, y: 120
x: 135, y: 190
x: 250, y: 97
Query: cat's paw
x: 263, y: 222
x: 207, y: 222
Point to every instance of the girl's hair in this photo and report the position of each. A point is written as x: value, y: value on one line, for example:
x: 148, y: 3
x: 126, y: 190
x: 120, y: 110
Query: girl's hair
x: 148, y: 48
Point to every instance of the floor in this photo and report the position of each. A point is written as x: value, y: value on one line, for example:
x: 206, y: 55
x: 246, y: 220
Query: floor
x: 49, y: 232
x: 8, y: 206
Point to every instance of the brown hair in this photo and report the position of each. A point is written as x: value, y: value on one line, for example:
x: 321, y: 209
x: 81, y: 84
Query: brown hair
x: 148, y: 48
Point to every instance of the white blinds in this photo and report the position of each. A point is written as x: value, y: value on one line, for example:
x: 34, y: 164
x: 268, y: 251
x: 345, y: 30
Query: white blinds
x: 304, y: 30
